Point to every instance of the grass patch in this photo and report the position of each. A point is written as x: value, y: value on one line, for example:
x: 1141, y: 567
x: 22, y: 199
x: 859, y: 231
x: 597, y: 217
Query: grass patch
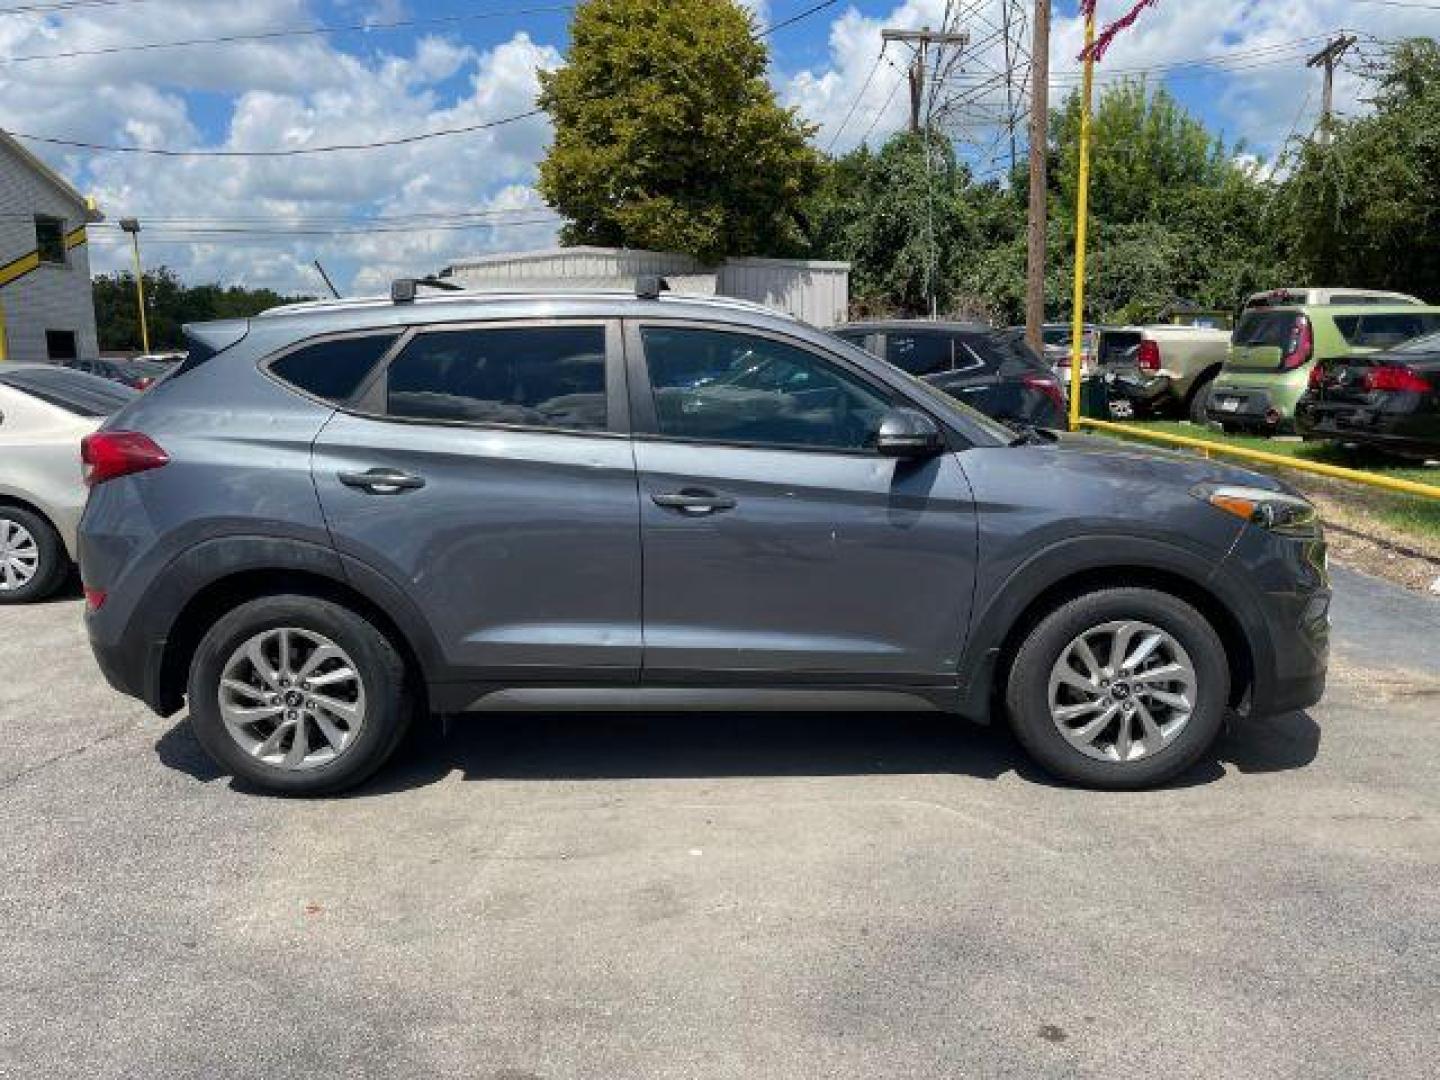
x: 1411, y: 514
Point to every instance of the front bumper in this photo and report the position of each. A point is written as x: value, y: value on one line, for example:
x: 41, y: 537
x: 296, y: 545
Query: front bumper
x: 1291, y: 587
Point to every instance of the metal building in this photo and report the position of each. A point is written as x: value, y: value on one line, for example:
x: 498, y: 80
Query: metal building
x: 47, y: 310
x: 818, y: 292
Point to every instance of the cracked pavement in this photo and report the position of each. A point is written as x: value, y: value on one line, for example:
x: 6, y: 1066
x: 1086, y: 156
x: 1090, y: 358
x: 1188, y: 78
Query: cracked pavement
x: 724, y: 896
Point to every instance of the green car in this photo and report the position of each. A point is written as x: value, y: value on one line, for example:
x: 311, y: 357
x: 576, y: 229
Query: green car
x: 1273, y: 351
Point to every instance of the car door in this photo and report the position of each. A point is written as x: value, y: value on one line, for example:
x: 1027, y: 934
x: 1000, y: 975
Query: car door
x: 778, y: 545
x: 974, y: 377
x: 487, y: 471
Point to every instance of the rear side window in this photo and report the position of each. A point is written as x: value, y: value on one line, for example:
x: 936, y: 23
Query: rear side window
x: 1383, y: 330
x: 333, y: 369
x: 1260, y: 327
x: 547, y: 377
x: 73, y: 391
x: 919, y: 354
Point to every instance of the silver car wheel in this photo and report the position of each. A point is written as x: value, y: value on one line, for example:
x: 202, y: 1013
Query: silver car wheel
x: 1122, y: 691
x: 292, y: 698
x: 19, y: 556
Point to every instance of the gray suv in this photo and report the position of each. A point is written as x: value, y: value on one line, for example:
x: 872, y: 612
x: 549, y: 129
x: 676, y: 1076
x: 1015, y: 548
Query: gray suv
x: 337, y: 516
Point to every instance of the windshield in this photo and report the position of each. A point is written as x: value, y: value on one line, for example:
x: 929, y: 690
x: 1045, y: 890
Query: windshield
x: 73, y: 391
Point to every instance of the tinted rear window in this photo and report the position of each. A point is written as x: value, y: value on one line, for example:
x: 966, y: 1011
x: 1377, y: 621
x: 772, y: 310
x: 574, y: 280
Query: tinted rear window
x: 551, y: 377
x: 333, y: 369
x: 73, y: 391
x: 1430, y: 343
x: 1384, y: 330
x: 1003, y: 351
x: 1271, y: 328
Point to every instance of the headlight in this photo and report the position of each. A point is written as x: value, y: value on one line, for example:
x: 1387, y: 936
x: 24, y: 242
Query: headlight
x: 1287, y: 515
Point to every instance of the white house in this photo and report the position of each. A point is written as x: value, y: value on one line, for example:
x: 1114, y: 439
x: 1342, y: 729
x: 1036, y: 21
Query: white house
x: 818, y: 292
x: 47, y: 311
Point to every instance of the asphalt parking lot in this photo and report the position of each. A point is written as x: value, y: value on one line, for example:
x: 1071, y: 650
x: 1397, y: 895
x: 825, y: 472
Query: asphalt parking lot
x: 724, y: 896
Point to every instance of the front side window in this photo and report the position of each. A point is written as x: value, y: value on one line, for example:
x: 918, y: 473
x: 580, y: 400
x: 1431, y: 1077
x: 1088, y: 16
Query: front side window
x: 50, y: 239
x: 730, y: 387
x: 550, y: 377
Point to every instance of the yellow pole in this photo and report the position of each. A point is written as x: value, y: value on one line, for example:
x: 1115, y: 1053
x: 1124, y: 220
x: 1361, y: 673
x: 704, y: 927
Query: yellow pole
x: 1082, y: 212
x: 140, y: 291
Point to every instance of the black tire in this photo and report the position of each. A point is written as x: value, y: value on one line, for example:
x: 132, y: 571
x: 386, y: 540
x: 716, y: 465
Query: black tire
x: 1199, y: 399
x: 54, y: 564
x: 1027, y: 691
x: 389, y: 703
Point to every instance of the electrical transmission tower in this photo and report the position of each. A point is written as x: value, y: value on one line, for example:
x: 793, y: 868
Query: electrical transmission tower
x: 981, y: 96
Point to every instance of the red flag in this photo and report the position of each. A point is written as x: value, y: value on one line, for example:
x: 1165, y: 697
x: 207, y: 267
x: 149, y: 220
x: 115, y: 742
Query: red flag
x: 1096, y: 51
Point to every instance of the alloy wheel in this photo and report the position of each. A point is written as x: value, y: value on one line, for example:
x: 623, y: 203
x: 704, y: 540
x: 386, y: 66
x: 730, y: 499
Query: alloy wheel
x: 19, y: 556
x: 292, y: 698
x: 1122, y: 691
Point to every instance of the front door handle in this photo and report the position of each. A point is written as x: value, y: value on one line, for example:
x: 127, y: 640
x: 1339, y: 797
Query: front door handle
x: 696, y: 501
x: 382, y: 481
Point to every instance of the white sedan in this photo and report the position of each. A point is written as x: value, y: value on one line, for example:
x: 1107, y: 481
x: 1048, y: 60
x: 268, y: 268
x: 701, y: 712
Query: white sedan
x: 45, y: 411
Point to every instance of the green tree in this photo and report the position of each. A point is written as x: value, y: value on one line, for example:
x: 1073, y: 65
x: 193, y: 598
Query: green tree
x: 907, y: 217
x: 668, y: 136
x: 1362, y: 210
x: 169, y: 305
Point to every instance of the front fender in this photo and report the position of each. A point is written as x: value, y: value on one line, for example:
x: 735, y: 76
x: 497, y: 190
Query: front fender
x: 1076, y: 559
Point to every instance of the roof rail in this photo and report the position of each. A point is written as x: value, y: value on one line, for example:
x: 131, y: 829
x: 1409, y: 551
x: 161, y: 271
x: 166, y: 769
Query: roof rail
x: 650, y: 286
x: 403, y: 290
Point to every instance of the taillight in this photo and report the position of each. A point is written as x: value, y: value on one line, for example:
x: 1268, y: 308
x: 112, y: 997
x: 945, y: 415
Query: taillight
x: 1317, y: 376
x: 1396, y: 377
x: 1300, y: 347
x: 1148, y: 356
x: 1047, y: 386
x: 111, y: 454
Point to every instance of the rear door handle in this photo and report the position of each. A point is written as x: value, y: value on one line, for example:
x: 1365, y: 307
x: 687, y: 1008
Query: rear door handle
x: 381, y: 481
x: 695, y: 501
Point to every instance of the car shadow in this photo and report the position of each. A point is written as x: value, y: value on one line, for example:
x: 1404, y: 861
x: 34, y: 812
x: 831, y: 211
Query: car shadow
x: 616, y: 746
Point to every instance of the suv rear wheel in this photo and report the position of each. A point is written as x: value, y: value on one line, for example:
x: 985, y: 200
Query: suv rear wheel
x: 32, y: 558
x: 298, y: 695
x: 1122, y: 688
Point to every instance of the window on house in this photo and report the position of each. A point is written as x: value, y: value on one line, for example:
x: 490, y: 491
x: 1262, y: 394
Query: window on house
x: 50, y: 238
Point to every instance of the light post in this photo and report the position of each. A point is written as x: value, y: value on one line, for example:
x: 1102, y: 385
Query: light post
x: 132, y: 226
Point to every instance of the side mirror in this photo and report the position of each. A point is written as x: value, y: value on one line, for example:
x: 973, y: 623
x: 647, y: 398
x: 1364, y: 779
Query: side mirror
x: 908, y: 433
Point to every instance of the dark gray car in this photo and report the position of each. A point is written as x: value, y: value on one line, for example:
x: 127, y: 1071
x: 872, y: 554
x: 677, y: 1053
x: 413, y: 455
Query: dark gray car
x: 336, y: 516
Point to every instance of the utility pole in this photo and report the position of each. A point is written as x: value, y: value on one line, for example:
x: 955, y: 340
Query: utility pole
x: 1328, y: 57
x: 1039, y: 150
x: 921, y: 40
x: 132, y: 226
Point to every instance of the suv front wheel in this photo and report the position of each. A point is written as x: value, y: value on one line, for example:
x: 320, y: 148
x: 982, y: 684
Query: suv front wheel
x: 298, y: 695
x: 1122, y: 688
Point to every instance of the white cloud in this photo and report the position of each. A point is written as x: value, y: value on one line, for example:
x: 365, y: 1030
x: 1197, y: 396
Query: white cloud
x: 1257, y: 95
x: 290, y: 92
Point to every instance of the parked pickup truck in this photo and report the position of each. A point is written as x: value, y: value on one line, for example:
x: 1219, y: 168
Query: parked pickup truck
x: 1164, y: 366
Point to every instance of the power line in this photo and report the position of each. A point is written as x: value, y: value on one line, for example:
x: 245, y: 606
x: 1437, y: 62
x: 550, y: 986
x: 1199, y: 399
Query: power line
x: 798, y: 17
x: 858, y: 98
x: 268, y: 35
x: 227, y: 235
x: 885, y: 106
x: 405, y: 140
x: 64, y: 5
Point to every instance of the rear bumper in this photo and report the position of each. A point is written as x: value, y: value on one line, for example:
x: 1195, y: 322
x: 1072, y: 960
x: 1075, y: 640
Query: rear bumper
x: 132, y: 664
x: 1351, y: 422
x: 1243, y: 405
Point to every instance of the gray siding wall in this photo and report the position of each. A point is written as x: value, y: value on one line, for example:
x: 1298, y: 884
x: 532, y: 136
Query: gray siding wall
x: 50, y: 297
x: 818, y: 292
